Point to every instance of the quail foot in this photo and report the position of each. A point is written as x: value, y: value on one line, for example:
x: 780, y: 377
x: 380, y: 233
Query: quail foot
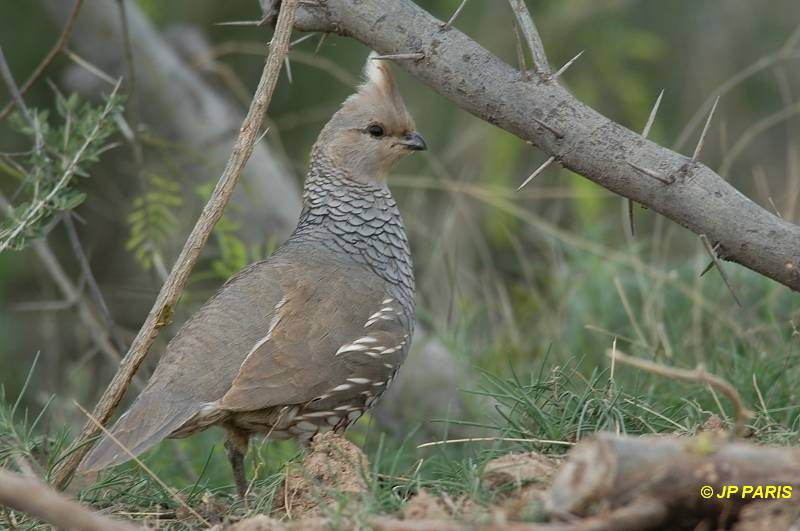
x: 308, y: 340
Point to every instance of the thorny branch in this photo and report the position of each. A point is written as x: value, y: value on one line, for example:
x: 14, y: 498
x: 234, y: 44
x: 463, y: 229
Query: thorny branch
x: 590, y: 144
x: 168, y: 296
x: 741, y: 413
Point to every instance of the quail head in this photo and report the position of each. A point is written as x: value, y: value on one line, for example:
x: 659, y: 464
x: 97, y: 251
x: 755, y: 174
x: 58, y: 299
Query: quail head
x: 307, y: 340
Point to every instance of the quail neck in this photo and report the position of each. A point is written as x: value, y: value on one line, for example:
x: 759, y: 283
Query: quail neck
x: 356, y: 219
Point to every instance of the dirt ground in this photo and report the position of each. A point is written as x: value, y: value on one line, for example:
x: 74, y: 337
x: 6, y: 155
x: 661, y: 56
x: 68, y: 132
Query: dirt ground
x: 335, y: 474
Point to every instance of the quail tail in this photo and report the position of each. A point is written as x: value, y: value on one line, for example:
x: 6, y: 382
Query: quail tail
x: 147, y: 422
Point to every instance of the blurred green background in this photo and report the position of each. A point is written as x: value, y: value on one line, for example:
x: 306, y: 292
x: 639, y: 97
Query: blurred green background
x: 540, y: 282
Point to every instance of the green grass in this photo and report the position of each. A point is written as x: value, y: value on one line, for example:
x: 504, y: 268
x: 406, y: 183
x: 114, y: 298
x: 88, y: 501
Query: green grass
x: 542, y: 376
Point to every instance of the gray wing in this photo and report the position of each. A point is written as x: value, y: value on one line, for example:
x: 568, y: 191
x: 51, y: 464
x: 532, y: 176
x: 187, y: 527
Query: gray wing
x: 198, y: 365
x: 334, y: 331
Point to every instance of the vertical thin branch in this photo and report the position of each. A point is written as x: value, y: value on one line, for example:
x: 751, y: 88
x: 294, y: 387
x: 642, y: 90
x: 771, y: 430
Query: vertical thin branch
x: 170, y: 292
x: 528, y: 28
x: 16, y: 98
x: 94, y: 289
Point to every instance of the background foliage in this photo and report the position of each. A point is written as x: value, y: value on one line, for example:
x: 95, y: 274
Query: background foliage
x: 525, y: 290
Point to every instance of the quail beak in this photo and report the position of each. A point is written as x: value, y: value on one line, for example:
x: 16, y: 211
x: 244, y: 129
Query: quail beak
x: 414, y: 142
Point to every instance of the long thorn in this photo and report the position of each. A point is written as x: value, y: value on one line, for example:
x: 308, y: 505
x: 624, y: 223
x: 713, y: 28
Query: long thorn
x: 568, y: 64
x: 631, y: 224
x: 715, y: 258
x: 321, y: 42
x: 556, y: 132
x: 651, y: 173
x: 452, y: 19
x: 260, y: 22
x: 539, y: 170
x: 705, y: 131
x: 300, y: 40
x: 288, y: 67
x: 645, y: 134
x: 652, y: 117
x: 414, y: 56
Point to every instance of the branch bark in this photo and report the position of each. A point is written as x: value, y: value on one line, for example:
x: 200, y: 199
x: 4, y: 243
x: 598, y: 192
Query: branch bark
x: 590, y: 144
x: 168, y: 296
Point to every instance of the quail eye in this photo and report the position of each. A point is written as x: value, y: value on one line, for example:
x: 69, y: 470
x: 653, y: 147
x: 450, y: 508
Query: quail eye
x: 375, y: 130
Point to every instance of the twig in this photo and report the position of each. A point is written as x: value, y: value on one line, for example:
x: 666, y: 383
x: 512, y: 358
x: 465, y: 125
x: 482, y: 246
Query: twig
x: 454, y: 16
x: 702, y: 138
x: 16, y: 98
x: 491, y: 439
x: 528, y: 28
x: 175, y: 496
x: 715, y: 258
x: 741, y: 413
x: 55, y: 50
x: 568, y: 64
x: 94, y: 289
x: 35, y: 498
x: 170, y: 292
x: 89, y: 67
x: 65, y: 177
x: 645, y: 133
x: 539, y: 170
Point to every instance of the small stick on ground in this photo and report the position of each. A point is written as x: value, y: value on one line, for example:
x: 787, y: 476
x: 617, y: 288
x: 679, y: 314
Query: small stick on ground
x: 713, y: 253
x: 30, y: 496
x: 493, y: 439
x: 170, y: 292
x: 741, y: 413
x: 531, y: 34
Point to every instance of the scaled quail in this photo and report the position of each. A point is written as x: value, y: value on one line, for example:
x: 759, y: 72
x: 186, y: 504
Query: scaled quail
x: 309, y: 339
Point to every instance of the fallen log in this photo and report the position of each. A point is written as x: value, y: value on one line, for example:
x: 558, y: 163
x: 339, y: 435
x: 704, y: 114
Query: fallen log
x: 679, y: 481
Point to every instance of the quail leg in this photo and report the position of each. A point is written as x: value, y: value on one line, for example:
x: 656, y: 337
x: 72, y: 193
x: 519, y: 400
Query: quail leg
x: 236, y: 442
